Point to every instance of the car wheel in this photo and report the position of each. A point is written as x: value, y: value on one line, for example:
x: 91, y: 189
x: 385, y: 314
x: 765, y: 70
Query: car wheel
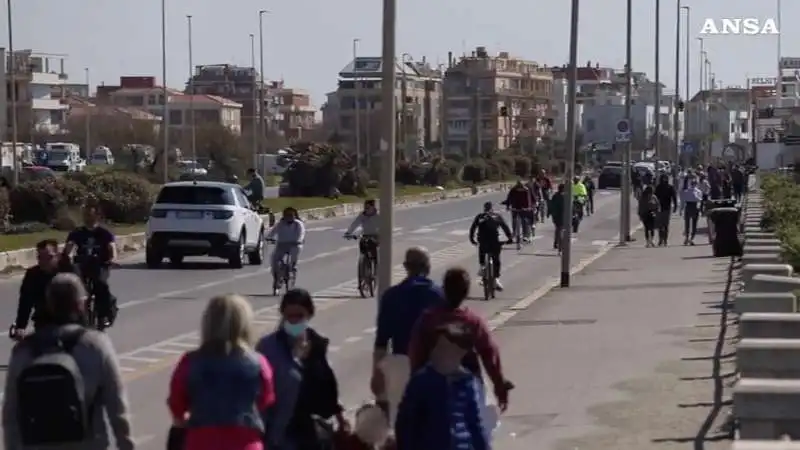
x: 152, y: 258
x: 236, y: 259
x: 176, y: 260
x: 256, y: 256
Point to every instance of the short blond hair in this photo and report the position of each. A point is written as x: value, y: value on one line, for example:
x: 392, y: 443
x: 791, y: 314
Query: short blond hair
x: 227, y: 324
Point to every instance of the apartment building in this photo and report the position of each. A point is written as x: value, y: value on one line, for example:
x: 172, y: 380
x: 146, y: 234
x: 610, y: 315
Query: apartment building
x: 242, y: 85
x: 352, y: 111
x: 36, y: 75
x: 721, y: 117
x: 298, y: 115
x: 491, y: 102
x: 143, y: 93
x: 81, y: 107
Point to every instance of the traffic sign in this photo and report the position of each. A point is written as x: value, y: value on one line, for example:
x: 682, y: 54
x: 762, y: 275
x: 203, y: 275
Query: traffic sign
x: 688, y: 147
x: 623, y: 131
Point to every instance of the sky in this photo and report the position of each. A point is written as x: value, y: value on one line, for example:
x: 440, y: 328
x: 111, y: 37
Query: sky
x: 307, y: 42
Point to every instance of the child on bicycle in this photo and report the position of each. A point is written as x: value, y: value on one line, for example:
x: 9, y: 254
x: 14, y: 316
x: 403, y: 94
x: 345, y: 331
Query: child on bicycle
x: 289, y: 234
x: 368, y: 220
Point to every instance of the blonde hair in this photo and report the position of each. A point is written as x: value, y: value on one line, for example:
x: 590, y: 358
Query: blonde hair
x: 227, y: 324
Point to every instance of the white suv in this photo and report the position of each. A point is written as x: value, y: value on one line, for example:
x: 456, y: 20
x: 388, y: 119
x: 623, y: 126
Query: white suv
x: 198, y: 218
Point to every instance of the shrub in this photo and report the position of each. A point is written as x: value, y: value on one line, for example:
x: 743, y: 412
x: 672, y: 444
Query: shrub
x: 123, y: 197
x: 43, y: 200
x: 782, y: 214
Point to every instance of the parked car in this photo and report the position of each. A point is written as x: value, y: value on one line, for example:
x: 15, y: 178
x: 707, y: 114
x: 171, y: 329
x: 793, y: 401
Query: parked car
x: 189, y: 167
x: 610, y: 176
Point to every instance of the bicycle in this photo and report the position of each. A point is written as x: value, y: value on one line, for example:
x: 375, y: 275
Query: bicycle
x: 367, y: 269
x: 91, y: 308
x: 283, y: 275
x: 488, y: 276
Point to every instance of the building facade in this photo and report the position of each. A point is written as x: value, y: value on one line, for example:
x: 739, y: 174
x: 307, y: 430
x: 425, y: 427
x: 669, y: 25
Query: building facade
x: 491, y: 102
x: 142, y: 93
x: 297, y: 113
x: 352, y: 112
x: 36, y: 76
x: 720, y: 117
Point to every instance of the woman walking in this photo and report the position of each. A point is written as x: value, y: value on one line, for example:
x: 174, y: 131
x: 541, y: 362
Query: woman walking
x: 648, y: 209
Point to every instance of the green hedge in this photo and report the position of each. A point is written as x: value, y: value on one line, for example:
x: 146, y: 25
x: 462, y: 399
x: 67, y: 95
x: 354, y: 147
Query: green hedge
x: 782, y: 213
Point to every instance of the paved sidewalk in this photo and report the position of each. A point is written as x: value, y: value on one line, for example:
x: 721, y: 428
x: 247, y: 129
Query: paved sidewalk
x: 625, y: 359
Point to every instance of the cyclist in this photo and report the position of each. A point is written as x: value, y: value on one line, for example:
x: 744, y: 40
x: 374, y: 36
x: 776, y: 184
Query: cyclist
x: 95, y: 252
x: 590, y: 190
x: 368, y: 220
x: 579, y: 196
x: 520, y: 201
x: 488, y: 225
x: 34, y: 284
x: 289, y: 233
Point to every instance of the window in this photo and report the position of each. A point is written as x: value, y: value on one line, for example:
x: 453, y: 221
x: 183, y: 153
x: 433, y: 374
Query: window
x: 347, y: 102
x: 176, y: 117
x: 151, y: 100
x: 195, y: 195
x: 242, y: 197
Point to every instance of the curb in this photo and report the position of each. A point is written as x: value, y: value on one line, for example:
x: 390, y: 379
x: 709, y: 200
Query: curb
x: 26, y: 257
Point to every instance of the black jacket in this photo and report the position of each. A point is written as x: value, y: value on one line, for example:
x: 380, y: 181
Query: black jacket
x: 666, y: 196
x: 488, y: 226
x: 32, y: 292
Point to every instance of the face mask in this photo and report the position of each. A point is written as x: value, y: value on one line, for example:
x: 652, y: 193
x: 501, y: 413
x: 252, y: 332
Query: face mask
x: 295, y: 329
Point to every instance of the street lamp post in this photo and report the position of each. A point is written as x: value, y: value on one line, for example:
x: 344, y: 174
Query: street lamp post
x: 262, y: 126
x: 192, y: 124
x: 688, y: 52
x: 572, y: 74
x: 89, y: 111
x: 657, y: 101
x: 255, y: 118
x: 13, y: 80
x: 356, y: 83
x: 164, y: 91
x: 388, y: 144
x: 675, y: 112
x: 405, y: 58
x: 625, y: 198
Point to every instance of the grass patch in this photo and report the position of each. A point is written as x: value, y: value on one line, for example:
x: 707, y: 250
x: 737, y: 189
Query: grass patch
x: 10, y: 242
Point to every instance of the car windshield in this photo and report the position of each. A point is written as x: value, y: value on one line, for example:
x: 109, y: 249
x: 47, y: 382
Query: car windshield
x: 195, y: 195
x: 55, y: 155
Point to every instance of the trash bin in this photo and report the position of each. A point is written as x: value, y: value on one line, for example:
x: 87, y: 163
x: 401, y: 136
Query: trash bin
x: 725, y: 224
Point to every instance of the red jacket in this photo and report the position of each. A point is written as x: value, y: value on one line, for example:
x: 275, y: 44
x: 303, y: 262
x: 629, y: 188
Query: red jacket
x: 423, y: 339
x: 519, y: 198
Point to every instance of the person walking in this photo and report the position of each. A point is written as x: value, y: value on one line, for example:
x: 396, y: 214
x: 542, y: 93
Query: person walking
x: 305, y: 383
x: 691, y: 198
x: 668, y: 201
x: 63, y: 379
x: 648, y: 209
x: 218, y: 391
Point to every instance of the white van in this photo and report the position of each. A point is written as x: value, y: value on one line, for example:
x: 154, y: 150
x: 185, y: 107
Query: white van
x: 102, y: 156
x: 64, y: 157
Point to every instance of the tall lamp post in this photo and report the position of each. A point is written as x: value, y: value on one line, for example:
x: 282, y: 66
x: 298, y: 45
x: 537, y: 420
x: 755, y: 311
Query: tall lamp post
x: 255, y: 118
x: 13, y: 79
x: 192, y: 124
x: 388, y: 145
x: 675, y: 113
x: 88, y: 131
x: 657, y: 100
x: 572, y: 74
x: 164, y: 91
x: 357, y: 86
x: 625, y: 197
x: 261, y: 119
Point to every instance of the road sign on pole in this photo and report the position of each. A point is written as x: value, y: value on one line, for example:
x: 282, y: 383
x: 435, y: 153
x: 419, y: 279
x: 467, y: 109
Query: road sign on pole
x: 688, y: 148
x: 623, y: 131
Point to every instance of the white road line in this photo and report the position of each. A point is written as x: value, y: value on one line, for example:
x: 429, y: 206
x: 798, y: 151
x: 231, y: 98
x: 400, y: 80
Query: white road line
x: 167, y: 350
x: 599, y: 242
x: 423, y: 230
x: 397, y: 229
x: 319, y: 229
x: 352, y: 339
x: 459, y: 232
x: 141, y: 359
x: 370, y: 330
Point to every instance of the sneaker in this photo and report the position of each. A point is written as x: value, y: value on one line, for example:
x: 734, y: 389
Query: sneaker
x: 497, y: 285
x: 686, y: 241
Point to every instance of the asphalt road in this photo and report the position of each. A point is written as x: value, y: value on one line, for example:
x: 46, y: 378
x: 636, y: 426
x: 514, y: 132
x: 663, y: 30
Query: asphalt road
x: 160, y: 309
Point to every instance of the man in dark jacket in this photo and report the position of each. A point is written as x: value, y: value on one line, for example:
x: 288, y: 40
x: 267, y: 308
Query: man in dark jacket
x: 485, y: 233
x: 555, y: 209
x: 34, y: 284
x: 668, y: 201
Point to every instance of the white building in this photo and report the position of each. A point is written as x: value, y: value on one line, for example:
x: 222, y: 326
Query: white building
x: 36, y: 77
x: 718, y: 118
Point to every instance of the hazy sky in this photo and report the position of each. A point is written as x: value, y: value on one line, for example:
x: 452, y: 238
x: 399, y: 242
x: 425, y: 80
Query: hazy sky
x: 307, y: 42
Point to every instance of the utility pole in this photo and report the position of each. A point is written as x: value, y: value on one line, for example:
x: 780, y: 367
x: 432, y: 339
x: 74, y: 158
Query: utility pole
x: 13, y: 80
x: 89, y: 111
x: 478, y: 124
x: 191, y: 89
x: 388, y: 144
x: 657, y: 103
x: 356, y: 83
x: 572, y: 74
x: 256, y: 125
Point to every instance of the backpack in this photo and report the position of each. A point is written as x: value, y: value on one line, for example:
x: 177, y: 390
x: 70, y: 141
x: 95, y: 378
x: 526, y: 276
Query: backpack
x: 52, y: 407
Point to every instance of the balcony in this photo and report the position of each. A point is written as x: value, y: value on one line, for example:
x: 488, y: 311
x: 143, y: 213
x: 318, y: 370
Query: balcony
x: 47, y: 104
x: 47, y: 79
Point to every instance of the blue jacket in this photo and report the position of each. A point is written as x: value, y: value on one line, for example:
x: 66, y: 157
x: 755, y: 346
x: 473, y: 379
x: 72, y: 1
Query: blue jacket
x: 441, y: 412
x: 400, y: 308
x: 223, y: 389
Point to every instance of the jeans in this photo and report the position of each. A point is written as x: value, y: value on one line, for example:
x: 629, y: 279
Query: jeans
x: 493, y: 251
x: 523, y: 217
x: 282, y: 248
x: 98, y: 275
x: 691, y: 213
x: 590, y: 204
x: 662, y: 223
x: 649, y: 223
x: 557, y: 234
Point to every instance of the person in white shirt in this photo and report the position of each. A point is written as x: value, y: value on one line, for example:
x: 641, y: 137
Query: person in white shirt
x: 289, y: 234
x: 691, y: 198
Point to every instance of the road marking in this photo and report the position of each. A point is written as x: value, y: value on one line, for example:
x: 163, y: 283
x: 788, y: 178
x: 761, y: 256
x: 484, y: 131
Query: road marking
x: 459, y: 232
x: 423, y: 230
x: 319, y: 229
x: 600, y: 242
x: 353, y: 339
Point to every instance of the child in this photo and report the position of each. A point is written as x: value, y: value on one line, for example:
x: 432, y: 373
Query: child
x: 442, y: 403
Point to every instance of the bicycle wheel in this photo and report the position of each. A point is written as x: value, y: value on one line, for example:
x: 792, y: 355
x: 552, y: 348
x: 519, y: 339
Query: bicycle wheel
x: 488, y: 279
x: 288, y: 277
x: 362, y: 276
x: 372, y: 278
